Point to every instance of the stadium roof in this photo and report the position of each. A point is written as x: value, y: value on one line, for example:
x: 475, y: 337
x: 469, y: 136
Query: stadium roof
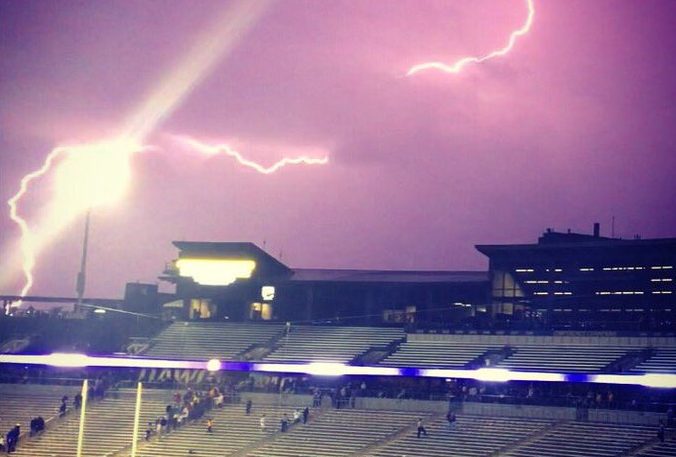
x: 553, y: 242
x: 328, y: 275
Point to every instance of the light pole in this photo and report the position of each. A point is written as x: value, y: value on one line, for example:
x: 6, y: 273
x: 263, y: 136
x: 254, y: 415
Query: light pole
x: 81, y: 276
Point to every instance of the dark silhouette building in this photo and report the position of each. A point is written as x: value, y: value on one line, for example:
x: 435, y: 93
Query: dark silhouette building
x: 240, y: 281
x: 577, y: 281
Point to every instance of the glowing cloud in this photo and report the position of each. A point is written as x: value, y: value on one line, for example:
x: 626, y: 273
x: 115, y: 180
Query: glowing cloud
x: 457, y: 66
x: 208, y: 149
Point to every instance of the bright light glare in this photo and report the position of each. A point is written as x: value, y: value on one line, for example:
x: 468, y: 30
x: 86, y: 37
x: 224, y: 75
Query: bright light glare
x: 215, y: 272
x: 660, y: 380
x: 667, y: 381
x: 94, y: 175
x: 213, y: 365
x: 59, y: 359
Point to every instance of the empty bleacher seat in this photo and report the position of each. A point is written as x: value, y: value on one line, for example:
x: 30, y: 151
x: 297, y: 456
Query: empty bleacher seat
x: 663, y: 361
x: 331, y: 344
x: 566, y: 358
x: 437, y: 354
x: 209, y: 340
x: 578, y: 439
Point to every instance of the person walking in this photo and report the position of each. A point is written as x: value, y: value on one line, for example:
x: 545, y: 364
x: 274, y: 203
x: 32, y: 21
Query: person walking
x: 421, y: 428
x: 261, y: 421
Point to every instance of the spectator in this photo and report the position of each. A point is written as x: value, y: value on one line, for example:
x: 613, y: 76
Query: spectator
x: 450, y: 417
x: 210, y: 425
x: 249, y: 404
x: 63, y: 407
x: 421, y: 428
x: 296, y: 416
x: 306, y: 413
x: 262, y: 423
x: 284, y: 423
x: 661, y: 432
x: 77, y: 401
x: 13, y: 438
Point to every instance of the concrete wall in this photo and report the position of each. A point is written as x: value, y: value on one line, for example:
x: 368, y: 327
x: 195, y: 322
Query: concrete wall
x: 515, y: 340
x: 283, y: 399
x: 625, y: 417
x: 483, y: 409
x: 491, y: 409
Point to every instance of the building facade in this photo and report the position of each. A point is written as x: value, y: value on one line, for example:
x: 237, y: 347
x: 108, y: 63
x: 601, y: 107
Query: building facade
x: 585, y: 281
x: 240, y: 281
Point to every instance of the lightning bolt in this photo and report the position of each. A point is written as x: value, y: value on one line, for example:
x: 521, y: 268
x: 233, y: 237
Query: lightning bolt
x: 208, y: 149
x: 96, y: 174
x: 27, y: 241
x: 456, y: 67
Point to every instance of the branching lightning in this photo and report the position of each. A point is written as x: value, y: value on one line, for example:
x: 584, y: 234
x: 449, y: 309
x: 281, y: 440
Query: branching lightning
x: 457, y: 66
x: 91, y: 175
x: 229, y: 151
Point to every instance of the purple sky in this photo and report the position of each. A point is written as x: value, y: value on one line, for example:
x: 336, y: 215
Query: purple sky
x: 576, y: 125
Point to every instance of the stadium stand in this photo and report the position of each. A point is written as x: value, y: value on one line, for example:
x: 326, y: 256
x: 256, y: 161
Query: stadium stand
x: 108, y: 427
x: 334, y: 433
x: 470, y: 436
x: 566, y: 358
x: 585, y: 439
x: 666, y: 449
x: 334, y: 344
x: 21, y: 403
x: 664, y: 361
x: 232, y: 431
x: 207, y: 340
x: 437, y: 354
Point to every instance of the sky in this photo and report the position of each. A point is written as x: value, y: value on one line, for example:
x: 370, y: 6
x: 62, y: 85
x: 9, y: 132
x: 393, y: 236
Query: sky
x: 574, y: 126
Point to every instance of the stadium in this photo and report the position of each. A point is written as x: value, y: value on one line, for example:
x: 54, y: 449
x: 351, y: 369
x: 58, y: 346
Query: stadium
x: 564, y: 347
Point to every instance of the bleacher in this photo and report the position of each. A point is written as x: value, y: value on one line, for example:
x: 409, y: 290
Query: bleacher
x: 209, y: 340
x: 108, y: 426
x: 21, y: 403
x: 566, y: 358
x: 437, y: 354
x: 583, y: 439
x: 470, y: 436
x: 666, y: 449
x: 663, y: 361
x: 232, y: 431
x: 334, y: 344
x: 337, y: 433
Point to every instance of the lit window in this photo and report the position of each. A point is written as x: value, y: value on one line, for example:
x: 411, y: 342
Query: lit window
x: 524, y: 270
x: 268, y: 293
x: 215, y: 272
x: 586, y: 269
